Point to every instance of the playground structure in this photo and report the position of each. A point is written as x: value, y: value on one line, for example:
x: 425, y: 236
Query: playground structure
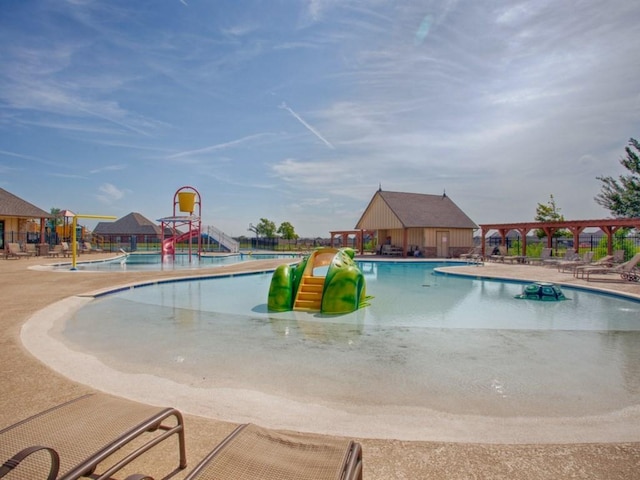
x: 185, y: 200
x: 74, y: 238
x: 326, y: 281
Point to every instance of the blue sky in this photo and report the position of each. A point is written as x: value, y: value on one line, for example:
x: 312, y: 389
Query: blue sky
x: 298, y: 111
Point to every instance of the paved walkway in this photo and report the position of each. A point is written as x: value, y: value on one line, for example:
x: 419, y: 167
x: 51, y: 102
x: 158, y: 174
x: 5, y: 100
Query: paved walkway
x: 29, y: 386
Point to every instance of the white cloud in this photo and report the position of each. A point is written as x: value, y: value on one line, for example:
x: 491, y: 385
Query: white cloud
x: 108, y: 168
x: 110, y: 193
x: 488, y: 102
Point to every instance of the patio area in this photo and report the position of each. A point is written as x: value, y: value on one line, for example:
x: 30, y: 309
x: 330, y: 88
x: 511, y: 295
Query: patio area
x: 32, y: 387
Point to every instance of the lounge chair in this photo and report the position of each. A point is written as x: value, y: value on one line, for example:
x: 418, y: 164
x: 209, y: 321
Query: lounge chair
x: 545, y: 254
x: 514, y: 259
x: 618, y: 256
x: 88, y: 248
x: 13, y: 250
x: 569, y: 256
x: 606, y: 261
x: 473, y: 256
x: 626, y: 270
x: 473, y: 251
x: 251, y: 452
x: 30, y: 249
x: 570, y: 265
x: 70, y: 440
x: 499, y: 255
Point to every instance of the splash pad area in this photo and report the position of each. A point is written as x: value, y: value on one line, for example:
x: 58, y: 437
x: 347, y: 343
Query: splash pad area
x: 433, y: 357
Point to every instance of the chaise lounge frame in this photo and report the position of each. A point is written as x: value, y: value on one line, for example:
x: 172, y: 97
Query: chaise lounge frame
x: 72, y: 439
x: 251, y: 452
x: 627, y: 270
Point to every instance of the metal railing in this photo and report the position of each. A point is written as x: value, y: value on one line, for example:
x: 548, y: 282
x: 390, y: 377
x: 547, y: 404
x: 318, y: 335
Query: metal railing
x: 221, y: 238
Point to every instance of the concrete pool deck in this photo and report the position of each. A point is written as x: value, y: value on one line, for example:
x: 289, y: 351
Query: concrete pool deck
x: 31, y: 386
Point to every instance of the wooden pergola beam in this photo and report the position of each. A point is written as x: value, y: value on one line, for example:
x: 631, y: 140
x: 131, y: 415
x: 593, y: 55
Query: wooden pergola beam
x: 344, y: 235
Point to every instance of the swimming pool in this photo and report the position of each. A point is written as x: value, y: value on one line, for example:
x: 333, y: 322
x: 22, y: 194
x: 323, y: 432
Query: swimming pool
x: 154, y: 261
x: 428, y: 346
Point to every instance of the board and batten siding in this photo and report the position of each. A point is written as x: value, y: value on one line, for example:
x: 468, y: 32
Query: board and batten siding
x: 457, y: 237
x: 391, y: 237
x: 379, y: 216
x: 412, y: 222
x: 12, y: 224
x: 426, y: 237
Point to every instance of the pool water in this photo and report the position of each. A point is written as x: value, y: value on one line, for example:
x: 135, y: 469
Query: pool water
x: 155, y: 262
x: 427, y: 341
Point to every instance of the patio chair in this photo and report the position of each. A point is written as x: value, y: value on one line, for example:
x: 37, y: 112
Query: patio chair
x: 88, y: 248
x: 570, y: 265
x: 626, y: 269
x: 30, y: 249
x: 56, y: 251
x: 472, y: 252
x: 606, y: 261
x: 569, y: 256
x: 71, y: 440
x: 499, y: 255
x: 251, y: 452
x: 13, y: 251
x: 545, y: 254
x: 503, y: 256
x: 472, y: 256
x: 618, y: 256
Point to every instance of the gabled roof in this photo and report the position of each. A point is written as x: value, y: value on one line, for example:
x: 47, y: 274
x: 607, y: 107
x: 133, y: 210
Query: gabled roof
x: 132, y: 224
x: 12, y: 206
x: 417, y: 210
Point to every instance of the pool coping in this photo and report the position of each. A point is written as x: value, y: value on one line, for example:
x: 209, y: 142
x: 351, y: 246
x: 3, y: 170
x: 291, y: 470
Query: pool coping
x: 569, y: 285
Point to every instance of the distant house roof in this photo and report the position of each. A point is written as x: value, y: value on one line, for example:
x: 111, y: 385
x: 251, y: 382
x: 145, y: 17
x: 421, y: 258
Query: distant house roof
x: 132, y: 224
x: 415, y: 210
x: 13, y: 206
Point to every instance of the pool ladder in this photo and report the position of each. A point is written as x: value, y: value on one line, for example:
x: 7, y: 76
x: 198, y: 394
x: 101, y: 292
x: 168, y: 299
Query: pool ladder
x: 309, y: 296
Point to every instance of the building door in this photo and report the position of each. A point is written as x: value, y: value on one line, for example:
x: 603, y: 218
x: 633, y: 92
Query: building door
x: 1, y: 234
x: 442, y: 243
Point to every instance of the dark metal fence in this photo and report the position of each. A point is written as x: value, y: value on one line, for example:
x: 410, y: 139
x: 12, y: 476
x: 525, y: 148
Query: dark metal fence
x: 152, y: 243
x: 596, y: 243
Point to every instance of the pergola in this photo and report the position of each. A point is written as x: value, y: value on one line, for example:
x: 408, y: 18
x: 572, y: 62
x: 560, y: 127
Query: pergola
x: 345, y: 234
x: 608, y: 225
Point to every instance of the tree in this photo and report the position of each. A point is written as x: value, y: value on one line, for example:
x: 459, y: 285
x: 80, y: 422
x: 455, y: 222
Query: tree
x: 265, y: 228
x: 55, y: 220
x: 57, y: 217
x: 622, y: 197
x: 287, y: 232
x: 549, y: 213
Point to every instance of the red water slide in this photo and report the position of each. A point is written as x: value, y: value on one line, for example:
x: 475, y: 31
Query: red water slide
x: 169, y: 244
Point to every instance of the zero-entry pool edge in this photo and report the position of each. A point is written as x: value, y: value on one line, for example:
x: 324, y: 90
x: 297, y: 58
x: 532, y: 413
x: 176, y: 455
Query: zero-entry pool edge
x: 444, y: 427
